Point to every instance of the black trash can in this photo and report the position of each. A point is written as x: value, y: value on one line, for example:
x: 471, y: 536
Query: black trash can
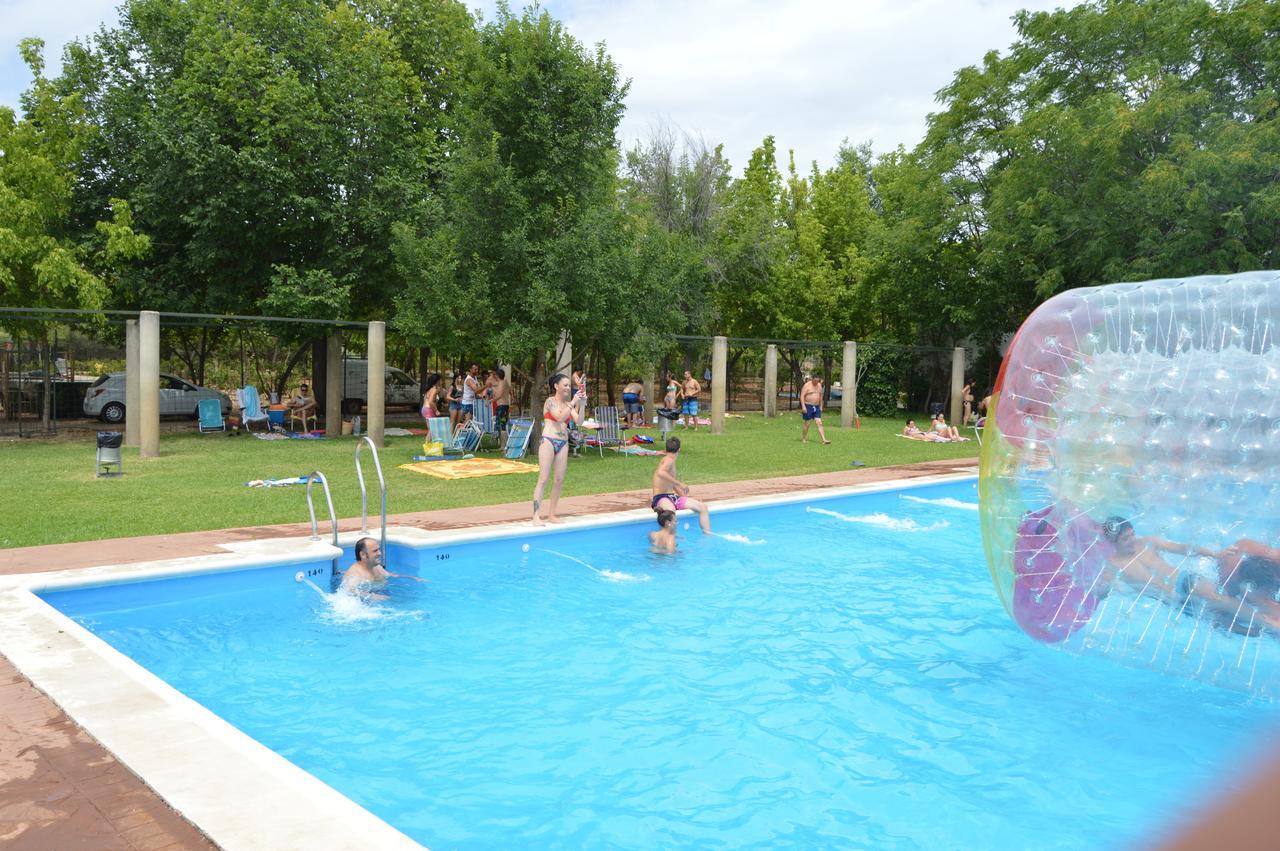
x: 108, y: 464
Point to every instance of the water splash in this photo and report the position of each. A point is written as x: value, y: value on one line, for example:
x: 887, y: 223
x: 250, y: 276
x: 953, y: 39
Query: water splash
x: 611, y: 575
x: 881, y: 520
x: 949, y: 502
x: 343, y: 608
x: 740, y: 539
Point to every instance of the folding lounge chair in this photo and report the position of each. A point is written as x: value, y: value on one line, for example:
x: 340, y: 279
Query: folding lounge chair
x: 210, y: 411
x: 610, y: 432
x: 519, y: 433
x: 482, y: 416
x: 251, y: 408
x: 440, y: 430
x: 466, y: 437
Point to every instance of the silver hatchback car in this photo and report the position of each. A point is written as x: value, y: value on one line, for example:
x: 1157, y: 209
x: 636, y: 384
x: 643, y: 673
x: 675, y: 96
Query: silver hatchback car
x: 105, y: 397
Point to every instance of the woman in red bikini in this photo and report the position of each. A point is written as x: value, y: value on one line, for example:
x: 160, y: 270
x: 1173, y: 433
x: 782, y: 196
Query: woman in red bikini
x: 553, y: 448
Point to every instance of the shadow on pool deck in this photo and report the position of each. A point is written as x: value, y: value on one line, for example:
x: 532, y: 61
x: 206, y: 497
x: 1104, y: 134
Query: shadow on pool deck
x: 60, y: 789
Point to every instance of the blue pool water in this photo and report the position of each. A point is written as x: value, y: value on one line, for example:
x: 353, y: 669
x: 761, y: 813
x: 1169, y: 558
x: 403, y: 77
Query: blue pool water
x: 848, y: 679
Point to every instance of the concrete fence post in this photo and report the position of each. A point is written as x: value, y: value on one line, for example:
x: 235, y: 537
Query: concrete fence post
x: 957, y: 386
x: 377, y: 400
x: 849, y: 385
x: 771, y: 380
x: 132, y: 398
x: 148, y: 384
x: 719, y: 382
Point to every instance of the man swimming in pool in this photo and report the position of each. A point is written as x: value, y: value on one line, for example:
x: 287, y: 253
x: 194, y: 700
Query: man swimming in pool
x: 1137, y: 562
x: 664, y: 540
x: 367, y: 575
x: 672, y: 494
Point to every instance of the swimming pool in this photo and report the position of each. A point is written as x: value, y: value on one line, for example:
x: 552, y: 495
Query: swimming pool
x: 842, y: 674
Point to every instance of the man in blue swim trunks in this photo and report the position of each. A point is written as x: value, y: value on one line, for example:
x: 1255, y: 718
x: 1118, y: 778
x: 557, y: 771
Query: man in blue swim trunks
x: 811, y: 399
x: 671, y: 494
x: 689, y: 407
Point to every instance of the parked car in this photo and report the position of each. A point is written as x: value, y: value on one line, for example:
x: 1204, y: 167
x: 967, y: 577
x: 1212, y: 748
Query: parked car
x: 400, y: 387
x: 105, y: 397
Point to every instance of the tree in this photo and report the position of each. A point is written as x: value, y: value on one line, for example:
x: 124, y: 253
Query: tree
x: 268, y: 145
x: 535, y: 157
x: 46, y: 260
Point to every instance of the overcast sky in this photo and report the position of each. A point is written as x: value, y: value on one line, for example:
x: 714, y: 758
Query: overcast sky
x: 809, y: 72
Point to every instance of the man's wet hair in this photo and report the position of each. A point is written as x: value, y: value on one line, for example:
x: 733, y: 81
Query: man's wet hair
x: 500, y: 372
x: 673, y: 445
x: 362, y: 548
x: 1114, y: 526
x: 666, y: 516
x: 1254, y: 573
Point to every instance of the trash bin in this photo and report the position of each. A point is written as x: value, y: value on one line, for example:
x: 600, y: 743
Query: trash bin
x: 109, y: 455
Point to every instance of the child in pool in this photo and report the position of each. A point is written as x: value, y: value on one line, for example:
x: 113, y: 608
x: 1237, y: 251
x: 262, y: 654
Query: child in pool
x: 664, y: 540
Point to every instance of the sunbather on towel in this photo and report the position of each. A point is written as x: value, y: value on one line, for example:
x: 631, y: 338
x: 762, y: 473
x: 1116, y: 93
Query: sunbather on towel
x: 910, y: 431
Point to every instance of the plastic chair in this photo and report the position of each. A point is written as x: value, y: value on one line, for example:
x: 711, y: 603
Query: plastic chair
x: 251, y: 411
x: 210, y: 411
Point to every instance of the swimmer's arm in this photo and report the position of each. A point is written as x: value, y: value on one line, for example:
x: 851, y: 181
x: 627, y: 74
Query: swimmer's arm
x: 1181, y: 549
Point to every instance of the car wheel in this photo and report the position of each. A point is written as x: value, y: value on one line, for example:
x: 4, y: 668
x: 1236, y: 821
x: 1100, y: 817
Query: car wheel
x: 113, y: 412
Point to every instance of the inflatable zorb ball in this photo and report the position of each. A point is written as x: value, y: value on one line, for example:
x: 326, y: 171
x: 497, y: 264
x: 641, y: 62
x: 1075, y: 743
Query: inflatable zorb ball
x: 1130, y: 479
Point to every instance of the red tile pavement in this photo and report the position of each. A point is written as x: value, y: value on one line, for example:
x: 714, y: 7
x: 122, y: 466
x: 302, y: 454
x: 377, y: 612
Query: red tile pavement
x: 60, y: 789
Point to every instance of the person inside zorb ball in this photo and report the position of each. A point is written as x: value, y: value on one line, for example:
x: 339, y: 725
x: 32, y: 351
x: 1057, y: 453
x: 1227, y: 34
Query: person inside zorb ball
x: 1130, y: 476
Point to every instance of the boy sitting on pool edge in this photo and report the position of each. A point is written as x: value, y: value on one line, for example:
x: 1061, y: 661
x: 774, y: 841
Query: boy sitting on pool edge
x: 672, y: 494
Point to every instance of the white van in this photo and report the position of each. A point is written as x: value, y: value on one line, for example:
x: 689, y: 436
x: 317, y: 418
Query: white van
x: 401, y: 388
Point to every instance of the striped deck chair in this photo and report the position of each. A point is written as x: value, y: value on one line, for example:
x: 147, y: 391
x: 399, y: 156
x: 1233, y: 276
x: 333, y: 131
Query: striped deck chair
x: 466, y: 437
x: 519, y: 433
x: 440, y: 430
x: 482, y: 416
x: 610, y: 432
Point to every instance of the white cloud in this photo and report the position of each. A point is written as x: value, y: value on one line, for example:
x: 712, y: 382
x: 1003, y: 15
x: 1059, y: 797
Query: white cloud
x: 809, y: 72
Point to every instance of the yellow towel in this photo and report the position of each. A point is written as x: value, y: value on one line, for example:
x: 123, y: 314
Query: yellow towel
x: 470, y: 468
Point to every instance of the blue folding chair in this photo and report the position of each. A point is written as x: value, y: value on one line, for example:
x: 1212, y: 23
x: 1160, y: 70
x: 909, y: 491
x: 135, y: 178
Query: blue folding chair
x: 210, y: 412
x: 251, y: 408
x: 519, y: 433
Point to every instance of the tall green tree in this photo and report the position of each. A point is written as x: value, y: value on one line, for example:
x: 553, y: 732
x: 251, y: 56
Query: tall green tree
x: 535, y: 159
x: 268, y: 145
x: 47, y: 259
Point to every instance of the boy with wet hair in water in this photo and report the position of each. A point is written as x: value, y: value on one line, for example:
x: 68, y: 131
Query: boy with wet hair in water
x: 664, y: 540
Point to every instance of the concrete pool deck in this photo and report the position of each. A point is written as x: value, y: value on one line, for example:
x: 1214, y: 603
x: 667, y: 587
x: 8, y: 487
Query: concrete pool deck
x: 61, y: 789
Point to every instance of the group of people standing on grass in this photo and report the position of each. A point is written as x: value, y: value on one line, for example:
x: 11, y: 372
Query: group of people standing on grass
x: 466, y: 391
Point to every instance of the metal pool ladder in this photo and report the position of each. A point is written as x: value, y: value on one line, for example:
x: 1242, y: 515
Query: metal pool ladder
x: 364, y: 496
x: 333, y: 518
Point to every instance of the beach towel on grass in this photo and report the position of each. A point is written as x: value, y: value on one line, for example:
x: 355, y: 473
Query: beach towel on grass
x: 470, y: 468
x: 636, y: 450
x: 277, y: 483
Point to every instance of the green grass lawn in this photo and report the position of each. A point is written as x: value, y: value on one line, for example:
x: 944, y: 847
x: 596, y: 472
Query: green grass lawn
x: 50, y: 494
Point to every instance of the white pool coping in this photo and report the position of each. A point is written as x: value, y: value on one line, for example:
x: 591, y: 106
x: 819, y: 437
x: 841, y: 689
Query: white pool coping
x: 240, y: 793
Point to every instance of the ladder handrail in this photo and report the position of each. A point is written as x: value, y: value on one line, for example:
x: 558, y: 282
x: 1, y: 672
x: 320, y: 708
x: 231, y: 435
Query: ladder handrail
x: 333, y: 517
x: 364, y: 496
